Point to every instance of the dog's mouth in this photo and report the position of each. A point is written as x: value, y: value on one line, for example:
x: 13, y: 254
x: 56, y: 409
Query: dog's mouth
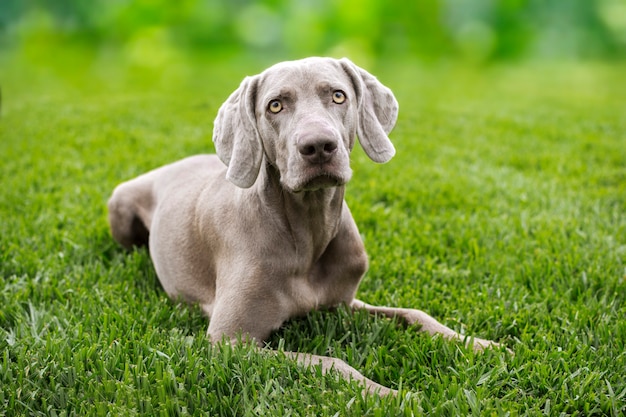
x: 325, y: 180
x: 298, y: 177
x: 320, y: 180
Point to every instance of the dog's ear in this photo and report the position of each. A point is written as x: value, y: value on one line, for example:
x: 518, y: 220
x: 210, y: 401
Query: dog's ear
x: 235, y: 134
x: 377, y: 112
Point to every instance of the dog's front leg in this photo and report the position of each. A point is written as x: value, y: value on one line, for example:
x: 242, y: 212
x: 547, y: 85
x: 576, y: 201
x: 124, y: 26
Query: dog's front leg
x: 248, y: 312
x: 426, y: 322
x: 257, y: 317
x: 328, y: 363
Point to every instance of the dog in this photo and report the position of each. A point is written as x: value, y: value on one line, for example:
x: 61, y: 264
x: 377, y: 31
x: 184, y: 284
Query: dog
x: 260, y: 233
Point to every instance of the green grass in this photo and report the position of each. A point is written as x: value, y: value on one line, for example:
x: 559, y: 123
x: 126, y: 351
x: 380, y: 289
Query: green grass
x: 503, y: 215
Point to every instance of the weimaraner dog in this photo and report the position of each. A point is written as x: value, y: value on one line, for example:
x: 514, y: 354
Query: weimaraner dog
x: 261, y: 233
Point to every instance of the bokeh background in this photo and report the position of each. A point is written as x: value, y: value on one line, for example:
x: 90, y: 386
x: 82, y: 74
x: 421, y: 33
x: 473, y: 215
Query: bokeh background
x: 153, y: 32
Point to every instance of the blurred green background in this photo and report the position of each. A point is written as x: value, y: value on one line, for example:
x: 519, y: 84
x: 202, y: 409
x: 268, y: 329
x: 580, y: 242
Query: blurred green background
x: 153, y: 32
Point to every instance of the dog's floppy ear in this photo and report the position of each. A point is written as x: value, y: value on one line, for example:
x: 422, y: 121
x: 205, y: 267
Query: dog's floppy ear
x: 377, y: 112
x: 235, y: 134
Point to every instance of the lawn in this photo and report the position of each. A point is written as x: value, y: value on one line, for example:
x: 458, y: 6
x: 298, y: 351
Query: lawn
x: 503, y: 215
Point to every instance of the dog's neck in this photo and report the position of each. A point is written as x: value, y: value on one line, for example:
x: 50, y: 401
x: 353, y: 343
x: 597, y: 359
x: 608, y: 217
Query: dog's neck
x: 307, y: 218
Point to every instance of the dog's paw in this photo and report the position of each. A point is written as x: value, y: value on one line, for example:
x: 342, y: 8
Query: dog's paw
x: 480, y: 345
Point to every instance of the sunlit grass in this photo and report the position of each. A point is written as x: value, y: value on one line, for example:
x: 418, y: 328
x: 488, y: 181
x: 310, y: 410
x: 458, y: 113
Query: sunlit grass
x: 502, y: 215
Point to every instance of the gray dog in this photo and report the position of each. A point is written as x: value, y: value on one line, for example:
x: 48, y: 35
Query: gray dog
x: 261, y: 233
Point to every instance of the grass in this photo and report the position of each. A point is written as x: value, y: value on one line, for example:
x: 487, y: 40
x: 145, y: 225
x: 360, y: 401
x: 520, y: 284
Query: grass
x: 503, y: 215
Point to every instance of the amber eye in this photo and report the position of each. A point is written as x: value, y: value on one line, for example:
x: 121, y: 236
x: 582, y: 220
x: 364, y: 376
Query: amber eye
x: 275, y: 106
x: 339, y: 96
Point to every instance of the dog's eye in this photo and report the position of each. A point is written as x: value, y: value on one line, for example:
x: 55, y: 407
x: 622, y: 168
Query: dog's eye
x: 275, y: 106
x: 339, y: 96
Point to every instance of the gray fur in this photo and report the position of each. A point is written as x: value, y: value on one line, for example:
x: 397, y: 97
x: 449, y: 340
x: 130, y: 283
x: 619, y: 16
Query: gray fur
x: 261, y: 233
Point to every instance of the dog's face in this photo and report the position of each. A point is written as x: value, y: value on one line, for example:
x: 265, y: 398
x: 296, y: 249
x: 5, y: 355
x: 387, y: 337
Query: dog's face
x: 302, y: 117
x: 307, y: 117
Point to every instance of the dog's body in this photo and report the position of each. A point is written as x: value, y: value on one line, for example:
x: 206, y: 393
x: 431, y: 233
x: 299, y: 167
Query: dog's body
x: 262, y: 233
x: 245, y: 284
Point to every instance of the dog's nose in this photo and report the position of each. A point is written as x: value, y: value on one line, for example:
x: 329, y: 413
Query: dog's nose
x: 317, y: 151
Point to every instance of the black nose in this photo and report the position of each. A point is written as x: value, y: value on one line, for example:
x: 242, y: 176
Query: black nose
x: 317, y: 151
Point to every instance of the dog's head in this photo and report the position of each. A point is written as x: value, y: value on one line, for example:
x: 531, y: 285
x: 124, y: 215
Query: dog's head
x: 303, y: 117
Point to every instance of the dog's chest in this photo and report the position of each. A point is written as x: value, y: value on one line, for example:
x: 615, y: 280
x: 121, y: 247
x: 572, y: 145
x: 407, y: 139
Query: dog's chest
x: 315, y: 290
